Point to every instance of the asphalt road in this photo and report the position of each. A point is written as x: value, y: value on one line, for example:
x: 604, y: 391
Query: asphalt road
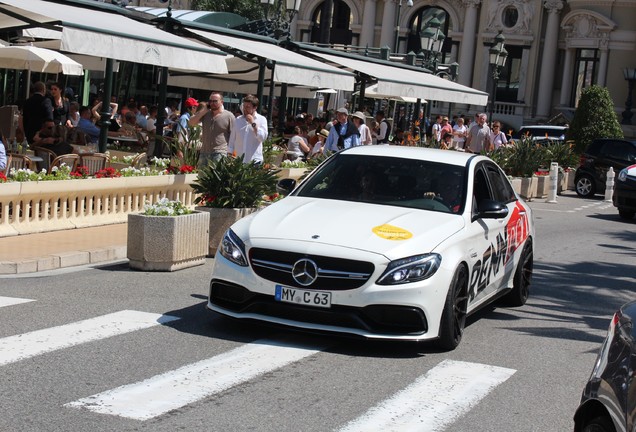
x: 518, y: 369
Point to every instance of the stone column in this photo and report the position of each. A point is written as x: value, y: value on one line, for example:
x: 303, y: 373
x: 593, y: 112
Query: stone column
x: 566, y: 82
x: 548, y: 59
x: 602, y: 66
x: 388, y: 24
x: 467, y: 51
x: 367, y: 33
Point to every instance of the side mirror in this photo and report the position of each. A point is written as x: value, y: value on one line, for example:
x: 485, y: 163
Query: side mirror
x: 491, y: 209
x: 285, y: 186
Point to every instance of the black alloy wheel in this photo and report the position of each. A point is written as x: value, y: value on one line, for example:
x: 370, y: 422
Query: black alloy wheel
x: 522, y: 279
x: 454, y: 315
x: 599, y: 424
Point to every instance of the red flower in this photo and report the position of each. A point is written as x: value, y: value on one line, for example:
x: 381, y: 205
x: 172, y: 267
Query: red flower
x: 3, y: 178
x: 108, y: 172
x: 80, y: 172
x: 185, y: 169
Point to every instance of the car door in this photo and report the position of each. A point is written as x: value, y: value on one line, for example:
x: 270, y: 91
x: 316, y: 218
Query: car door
x: 494, y: 243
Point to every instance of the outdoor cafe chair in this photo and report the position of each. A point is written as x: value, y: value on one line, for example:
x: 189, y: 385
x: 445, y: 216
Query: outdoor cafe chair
x: 5, y: 171
x: 94, y: 162
x: 48, y: 156
x: 139, y: 160
x: 70, y: 160
x: 18, y: 161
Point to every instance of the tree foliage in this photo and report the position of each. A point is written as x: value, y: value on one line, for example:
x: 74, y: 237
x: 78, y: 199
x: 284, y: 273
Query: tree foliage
x: 250, y: 9
x: 594, y: 118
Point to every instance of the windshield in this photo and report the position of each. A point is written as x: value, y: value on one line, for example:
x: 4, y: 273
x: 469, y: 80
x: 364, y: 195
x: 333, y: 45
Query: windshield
x: 392, y: 181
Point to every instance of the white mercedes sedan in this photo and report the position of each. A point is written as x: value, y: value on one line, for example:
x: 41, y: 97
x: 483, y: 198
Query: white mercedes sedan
x: 381, y: 242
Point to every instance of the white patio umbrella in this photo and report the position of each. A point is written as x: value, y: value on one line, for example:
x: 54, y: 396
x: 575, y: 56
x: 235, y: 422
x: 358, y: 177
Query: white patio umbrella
x: 37, y: 59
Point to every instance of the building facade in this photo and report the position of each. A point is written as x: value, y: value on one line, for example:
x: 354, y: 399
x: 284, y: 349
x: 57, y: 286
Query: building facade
x: 555, y: 47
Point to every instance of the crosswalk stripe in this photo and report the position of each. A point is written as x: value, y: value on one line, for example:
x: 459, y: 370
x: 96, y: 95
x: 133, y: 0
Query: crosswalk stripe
x: 435, y: 400
x: 22, y: 346
x: 10, y: 301
x: 171, y: 390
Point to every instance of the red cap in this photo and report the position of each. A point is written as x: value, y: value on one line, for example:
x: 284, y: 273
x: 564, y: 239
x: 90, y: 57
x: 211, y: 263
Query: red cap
x: 190, y: 102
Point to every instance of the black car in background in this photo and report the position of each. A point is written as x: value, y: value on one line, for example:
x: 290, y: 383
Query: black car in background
x: 597, y: 159
x: 608, y: 403
x: 624, y: 197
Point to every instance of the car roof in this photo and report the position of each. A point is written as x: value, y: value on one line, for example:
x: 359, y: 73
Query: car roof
x: 546, y: 127
x: 428, y: 154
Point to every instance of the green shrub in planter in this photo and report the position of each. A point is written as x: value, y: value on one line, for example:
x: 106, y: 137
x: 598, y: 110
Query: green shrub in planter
x: 230, y: 183
x: 561, y: 152
x: 594, y: 118
x: 521, y: 159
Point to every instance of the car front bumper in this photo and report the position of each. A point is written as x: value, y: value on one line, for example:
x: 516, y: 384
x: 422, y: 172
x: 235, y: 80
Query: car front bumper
x: 410, y: 312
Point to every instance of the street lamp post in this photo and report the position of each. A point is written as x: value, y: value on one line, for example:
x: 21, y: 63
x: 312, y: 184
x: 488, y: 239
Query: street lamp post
x: 281, y: 17
x: 630, y: 77
x: 431, y: 43
x: 497, y: 60
x: 409, y: 3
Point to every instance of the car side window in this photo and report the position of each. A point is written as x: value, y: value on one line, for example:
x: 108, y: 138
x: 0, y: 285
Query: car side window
x: 502, y: 189
x: 618, y: 150
x: 481, y: 191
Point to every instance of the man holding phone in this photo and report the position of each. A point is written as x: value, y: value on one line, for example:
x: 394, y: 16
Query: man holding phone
x: 249, y: 132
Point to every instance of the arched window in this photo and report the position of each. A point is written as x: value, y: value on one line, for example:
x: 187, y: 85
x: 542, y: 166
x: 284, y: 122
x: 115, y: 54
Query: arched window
x: 340, y: 32
x: 420, y: 21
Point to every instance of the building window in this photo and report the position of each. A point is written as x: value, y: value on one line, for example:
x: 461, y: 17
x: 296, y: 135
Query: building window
x: 585, y: 72
x: 510, y: 16
x: 339, y: 32
x: 508, y: 84
x: 420, y: 21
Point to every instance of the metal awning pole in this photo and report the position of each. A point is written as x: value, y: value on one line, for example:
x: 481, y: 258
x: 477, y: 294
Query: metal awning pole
x: 105, y: 114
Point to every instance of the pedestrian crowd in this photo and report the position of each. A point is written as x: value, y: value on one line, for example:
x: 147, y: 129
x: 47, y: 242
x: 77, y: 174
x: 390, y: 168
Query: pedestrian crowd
x: 52, y: 119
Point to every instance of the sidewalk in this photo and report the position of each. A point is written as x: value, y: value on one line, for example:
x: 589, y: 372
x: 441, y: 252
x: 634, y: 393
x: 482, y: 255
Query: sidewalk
x: 67, y: 248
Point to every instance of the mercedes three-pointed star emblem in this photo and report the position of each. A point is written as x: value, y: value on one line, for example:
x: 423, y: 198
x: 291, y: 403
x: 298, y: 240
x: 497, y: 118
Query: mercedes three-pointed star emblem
x: 305, y: 271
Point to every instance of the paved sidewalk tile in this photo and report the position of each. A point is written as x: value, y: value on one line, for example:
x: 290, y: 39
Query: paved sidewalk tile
x: 51, y: 250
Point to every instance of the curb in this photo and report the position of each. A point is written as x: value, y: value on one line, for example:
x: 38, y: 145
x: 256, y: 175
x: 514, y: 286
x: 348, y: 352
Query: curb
x: 63, y: 260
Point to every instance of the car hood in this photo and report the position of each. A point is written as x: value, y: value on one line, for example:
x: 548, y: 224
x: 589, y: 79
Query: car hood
x: 394, y: 232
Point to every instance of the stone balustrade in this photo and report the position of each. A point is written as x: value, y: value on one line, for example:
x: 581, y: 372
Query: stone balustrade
x: 31, y: 207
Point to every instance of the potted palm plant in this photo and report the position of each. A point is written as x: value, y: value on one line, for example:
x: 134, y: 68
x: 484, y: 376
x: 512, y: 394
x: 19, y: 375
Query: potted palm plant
x: 229, y: 190
x: 167, y: 236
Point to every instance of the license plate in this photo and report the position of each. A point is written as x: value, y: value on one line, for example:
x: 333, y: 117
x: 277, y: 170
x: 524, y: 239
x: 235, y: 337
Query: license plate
x: 303, y: 297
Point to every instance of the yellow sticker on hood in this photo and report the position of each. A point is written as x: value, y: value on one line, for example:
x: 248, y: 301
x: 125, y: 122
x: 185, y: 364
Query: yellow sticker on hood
x: 391, y: 232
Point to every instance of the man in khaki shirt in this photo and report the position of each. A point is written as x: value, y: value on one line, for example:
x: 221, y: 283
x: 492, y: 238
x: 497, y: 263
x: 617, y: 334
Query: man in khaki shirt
x: 217, y: 124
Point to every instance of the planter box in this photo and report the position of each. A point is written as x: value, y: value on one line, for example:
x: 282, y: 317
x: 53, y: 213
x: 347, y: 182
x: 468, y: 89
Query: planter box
x: 294, y: 173
x: 526, y: 187
x: 167, y: 243
x: 220, y: 220
x: 543, y: 186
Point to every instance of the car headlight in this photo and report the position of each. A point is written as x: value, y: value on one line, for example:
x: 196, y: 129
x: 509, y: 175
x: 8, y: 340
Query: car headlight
x: 233, y: 248
x: 411, y: 269
x: 622, y: 176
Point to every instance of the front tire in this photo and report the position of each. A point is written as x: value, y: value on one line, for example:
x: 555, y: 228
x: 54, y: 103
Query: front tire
x: 454, y: 315
x: 521, y: 282
x: 599, y: 424
x: 585, y: 186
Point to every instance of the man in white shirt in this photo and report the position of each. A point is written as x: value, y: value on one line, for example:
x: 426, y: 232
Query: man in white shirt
x: 383, y: 125
x: 249, y: 132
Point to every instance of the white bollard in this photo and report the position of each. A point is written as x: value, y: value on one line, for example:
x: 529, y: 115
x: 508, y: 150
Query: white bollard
x: 609, y: 184
x: 554, y: 179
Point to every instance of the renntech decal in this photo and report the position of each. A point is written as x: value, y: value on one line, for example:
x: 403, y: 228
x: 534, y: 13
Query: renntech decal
x: 517, y: 228
x: 499, y: 253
